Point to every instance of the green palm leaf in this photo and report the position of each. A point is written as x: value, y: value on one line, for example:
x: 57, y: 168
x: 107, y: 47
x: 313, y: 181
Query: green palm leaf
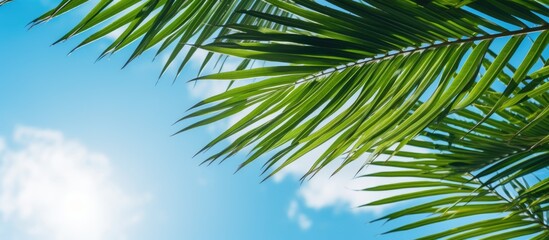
x: 464, y: 80
x: 391, y: 73
x: 166, y: 24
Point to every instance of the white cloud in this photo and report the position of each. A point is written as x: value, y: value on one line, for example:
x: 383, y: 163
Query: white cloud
x: 302, y: 220
x: 203, y: 89
x: 292, y: 210
x: 194, y: 65
x: 341, y: 191
x: 2, y: 145
x: 55, y: 188
x: 46, y: 3
x: 115, y: 34
x: 207, y: 88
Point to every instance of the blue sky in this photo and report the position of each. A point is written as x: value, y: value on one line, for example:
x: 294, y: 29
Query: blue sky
x: 117, y: 174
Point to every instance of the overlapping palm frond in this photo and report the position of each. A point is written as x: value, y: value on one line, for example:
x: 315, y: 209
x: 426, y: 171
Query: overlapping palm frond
x: 380, y: 59
x: 468, y: 84
x: 498, y: 171
x: 466, y: 80
x: 167, y: 24
x: 514, y: 207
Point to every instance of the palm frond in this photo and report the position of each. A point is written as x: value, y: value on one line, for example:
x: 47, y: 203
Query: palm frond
x: 498, y: 170
x: 512, y: 202
x: 2, y: 2
x: 170, y: 25
x: 471, y: 92
x: 465, y: 80
x: 396, y: 80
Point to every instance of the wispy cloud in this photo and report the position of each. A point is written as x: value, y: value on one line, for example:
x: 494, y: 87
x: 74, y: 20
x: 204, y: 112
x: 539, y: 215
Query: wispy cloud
x: 115, y: 34
x: 294, y: 214
x: 340, y: 191
x: 55, y: 188
x: 2, y: 144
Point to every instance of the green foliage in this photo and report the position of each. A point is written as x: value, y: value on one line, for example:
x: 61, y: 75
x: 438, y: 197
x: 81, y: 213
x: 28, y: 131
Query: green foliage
x: 466, y: 81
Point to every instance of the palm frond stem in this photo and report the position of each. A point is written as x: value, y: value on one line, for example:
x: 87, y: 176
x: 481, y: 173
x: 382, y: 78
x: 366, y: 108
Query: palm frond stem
x: 516, y: 207
x: 432, y: 46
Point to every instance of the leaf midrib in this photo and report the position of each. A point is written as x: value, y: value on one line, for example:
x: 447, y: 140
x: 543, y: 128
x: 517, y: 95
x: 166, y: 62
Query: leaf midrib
x: 431, y: 46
